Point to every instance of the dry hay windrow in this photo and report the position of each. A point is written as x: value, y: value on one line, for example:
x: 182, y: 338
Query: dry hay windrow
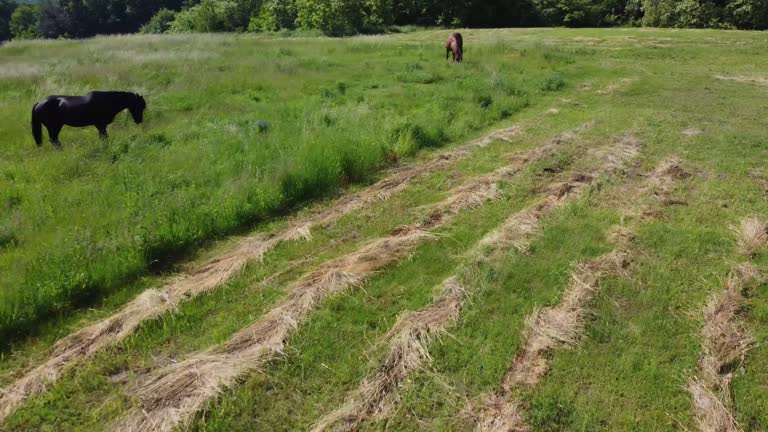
x: 725, y: 339
x: 644, y: 197
x: 84, y: 343
x: 753, y: 236
x: 692, y: 132
x: 562, y: 325
x: 549, y: 328
x: 743, y: 79
x: 172, y: 395
x: 546, y: 330
x: 613, y: 87
x: 411, y: 336
x: 408, y: 351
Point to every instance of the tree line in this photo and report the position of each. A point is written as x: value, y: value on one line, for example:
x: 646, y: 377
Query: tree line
x: 83, y: 18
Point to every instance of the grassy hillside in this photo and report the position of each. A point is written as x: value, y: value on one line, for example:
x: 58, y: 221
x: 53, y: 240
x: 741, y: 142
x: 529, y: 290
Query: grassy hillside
x: 588, y: 241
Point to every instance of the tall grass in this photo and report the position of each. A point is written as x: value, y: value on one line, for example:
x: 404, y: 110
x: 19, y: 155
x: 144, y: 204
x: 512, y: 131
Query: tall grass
x: 78, y: 223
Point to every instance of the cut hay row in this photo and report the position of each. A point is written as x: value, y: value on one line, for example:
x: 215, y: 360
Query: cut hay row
x: 725, y: 340
x: 408, y: 351
x: 172, y: 395
x: 413, y: 333
x: 83, y: 344
x: 562, y: 325
x: 546, y: 330
x: 614, y: 86
x: 411, y: 336
x: 644, y: 198
x: 743, y: 79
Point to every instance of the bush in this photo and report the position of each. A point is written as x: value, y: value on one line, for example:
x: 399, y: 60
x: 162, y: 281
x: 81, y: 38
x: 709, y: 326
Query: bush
x: 554, y: 82
x: 379, y: 14
x: 160, y: 22
x: 332, y: 17
x: 216, y: 16
x: 274, y: 15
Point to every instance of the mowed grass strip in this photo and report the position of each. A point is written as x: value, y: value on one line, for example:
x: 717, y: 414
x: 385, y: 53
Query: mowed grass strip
x: 242, y: 398
x: 176, y: 393
x: 411, y: 336
x: 210, y: 275
x: 562, y: 325
x: 199, y: 324
x: 435, y: 396
x: 82, y: 222
x: 677, y: 107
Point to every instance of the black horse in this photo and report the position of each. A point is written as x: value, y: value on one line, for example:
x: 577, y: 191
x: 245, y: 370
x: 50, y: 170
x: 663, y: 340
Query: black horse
x: 94, y: 109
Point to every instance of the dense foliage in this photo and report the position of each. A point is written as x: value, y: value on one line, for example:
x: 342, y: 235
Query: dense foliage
x: 81, y: 18
x: 24, y: 23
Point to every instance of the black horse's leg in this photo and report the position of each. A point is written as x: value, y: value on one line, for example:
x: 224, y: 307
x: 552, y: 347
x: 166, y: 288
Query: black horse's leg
x: 102, y: 131
x: 53, y: 134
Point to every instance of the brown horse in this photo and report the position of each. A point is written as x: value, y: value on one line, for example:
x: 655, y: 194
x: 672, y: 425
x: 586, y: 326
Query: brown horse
x: 455, y: 45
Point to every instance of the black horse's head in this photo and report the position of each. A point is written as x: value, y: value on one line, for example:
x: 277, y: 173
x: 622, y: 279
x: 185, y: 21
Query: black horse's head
x: 137, y: 107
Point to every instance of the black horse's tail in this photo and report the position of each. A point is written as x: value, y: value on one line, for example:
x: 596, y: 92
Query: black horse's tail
x: 37, y: 127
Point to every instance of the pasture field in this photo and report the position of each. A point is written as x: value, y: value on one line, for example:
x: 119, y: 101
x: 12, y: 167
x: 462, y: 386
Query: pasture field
x: 565, y: 232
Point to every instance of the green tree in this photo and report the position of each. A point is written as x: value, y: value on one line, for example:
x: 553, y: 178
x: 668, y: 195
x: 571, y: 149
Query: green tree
x: 6, y: 10
x: 581, y: 13
x: 275, y: 15
x: 160, y: 22
x: 379, y: 13
x: 25, y: 22
x: 82, y: 18
x: 660, y: 13
x: 216, y: 16
x: 332, y: 17
x: 748, y: 14
x: 700, y: 14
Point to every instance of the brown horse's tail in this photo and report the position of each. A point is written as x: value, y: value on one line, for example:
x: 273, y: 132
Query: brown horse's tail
x: 37, y: 127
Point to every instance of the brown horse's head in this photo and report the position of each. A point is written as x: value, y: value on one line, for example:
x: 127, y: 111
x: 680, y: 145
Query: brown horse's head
x: 455, y: 45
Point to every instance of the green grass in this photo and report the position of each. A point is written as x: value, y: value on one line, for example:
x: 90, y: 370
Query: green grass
x: 98, y: 222
x: 78, y: 224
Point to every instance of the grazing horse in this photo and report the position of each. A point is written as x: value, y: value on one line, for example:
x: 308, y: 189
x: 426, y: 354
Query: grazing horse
x: 94, y: 109
x: 455, y: 45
